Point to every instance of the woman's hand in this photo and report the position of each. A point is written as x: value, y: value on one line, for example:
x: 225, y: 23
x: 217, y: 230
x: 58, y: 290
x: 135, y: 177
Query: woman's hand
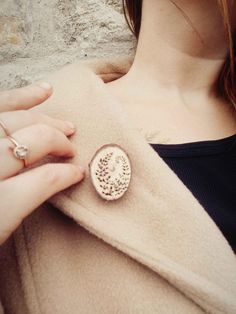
x: 21, y: 193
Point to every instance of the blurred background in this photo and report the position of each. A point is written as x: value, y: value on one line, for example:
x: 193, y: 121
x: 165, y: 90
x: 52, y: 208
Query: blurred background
x: 40, y: 36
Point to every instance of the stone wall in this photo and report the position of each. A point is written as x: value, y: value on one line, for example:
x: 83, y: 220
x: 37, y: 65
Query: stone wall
x: 40, y: 36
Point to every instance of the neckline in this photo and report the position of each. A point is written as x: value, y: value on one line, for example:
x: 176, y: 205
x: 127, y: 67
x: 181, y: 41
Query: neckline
x: 198, y: 148
x: 161, y: 187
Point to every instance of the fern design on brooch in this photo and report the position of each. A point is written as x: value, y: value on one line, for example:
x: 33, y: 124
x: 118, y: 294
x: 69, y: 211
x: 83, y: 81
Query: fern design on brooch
x: 110, y: 171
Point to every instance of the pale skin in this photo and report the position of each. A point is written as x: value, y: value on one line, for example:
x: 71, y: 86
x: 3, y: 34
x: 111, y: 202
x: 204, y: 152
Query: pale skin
x: 21, y: 193
x: 169, y: 90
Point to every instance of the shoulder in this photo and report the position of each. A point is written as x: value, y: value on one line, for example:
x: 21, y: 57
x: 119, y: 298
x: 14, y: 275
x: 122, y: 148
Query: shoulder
x: 71, y: 86
x: 106, y: 68
x: 74, y: 84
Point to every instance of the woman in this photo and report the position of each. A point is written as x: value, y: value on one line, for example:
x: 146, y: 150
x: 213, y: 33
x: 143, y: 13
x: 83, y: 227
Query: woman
x: 155, y: 248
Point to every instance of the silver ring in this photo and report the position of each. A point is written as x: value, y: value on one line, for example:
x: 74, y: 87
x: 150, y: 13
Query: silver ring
x: 4, y: 128
x: 20, y: 151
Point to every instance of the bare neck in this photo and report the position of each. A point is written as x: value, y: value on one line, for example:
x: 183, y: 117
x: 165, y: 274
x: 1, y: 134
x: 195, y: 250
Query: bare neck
x: 181, y: 46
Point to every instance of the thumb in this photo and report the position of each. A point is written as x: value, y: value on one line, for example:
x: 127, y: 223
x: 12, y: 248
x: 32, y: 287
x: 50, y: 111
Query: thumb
x: 21, y: 194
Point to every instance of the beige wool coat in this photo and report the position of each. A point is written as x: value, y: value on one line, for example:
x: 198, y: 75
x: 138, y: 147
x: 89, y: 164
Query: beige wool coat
x: 154, y: 250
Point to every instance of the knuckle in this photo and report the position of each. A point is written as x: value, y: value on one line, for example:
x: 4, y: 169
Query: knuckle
x: 3, y: 115
x: 46, y: 133
x: 4, y: 147
x: 39, y: 94
x: 26, y: 115
x: 31, y: 115
x: 55, y: 175
x: 12, y: 116
x: 3, y: 118
x: 50, y: 175
x: 9, y: 99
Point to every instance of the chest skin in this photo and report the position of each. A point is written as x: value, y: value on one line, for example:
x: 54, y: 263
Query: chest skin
x: 162, y: 117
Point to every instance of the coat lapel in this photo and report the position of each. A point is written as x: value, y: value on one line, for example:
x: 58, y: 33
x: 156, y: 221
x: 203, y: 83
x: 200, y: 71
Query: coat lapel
x: 158, y: 221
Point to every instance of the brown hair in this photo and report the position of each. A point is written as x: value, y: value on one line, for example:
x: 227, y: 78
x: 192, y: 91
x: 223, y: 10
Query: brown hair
x: 226, y: 83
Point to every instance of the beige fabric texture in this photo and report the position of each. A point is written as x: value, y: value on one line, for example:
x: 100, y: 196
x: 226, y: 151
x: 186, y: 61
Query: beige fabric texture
x: 155, y: 250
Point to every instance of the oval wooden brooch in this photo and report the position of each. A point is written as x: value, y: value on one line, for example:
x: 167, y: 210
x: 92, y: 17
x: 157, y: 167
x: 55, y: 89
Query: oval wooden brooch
x: 110, y: 171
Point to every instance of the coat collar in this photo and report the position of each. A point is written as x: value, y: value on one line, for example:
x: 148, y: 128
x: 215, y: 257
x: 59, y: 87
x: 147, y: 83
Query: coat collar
x: 158, y: 221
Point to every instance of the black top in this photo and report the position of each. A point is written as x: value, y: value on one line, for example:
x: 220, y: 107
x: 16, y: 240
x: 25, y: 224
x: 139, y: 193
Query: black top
x: 208, y: 169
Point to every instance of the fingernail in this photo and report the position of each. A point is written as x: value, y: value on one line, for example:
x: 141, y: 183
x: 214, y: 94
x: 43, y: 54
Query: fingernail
x: 70, y: 125
x: 82, y: 169
x: 45, y: 85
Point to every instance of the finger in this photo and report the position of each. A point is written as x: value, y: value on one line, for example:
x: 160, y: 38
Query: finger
x: 42, y: 140
x: 21, y: 194
x: 25, y: 97
x: 15, y: 120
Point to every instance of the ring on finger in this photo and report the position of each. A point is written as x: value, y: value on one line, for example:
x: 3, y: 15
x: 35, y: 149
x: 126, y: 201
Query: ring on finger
x: 4, y: 128
x: 20, y: 151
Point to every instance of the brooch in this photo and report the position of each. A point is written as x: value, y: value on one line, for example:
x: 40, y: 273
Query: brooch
x: 110, y: 171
